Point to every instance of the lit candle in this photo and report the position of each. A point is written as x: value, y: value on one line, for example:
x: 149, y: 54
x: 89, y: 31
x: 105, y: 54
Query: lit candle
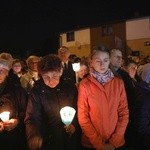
x: 5, y: 116
x: 67, y: 114
x: 76, y: 66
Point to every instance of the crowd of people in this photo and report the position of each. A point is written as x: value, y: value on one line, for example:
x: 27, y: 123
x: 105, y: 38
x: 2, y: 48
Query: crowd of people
x: 111, y: 96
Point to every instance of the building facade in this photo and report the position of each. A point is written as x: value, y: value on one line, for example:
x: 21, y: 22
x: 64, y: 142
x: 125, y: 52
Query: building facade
x: 131, y: 36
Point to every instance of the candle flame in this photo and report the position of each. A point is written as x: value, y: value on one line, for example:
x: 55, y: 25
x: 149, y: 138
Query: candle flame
x: 5, y: 116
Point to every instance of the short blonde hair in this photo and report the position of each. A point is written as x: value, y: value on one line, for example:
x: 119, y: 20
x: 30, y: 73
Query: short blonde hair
x: 30, y: 58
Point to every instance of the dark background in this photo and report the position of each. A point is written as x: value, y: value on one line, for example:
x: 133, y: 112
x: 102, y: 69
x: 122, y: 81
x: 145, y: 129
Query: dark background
x: 33, y: 26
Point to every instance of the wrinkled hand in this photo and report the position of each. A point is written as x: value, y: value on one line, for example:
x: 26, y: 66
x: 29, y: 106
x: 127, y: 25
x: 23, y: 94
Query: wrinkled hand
x: 10, y: 124
x: 108, y: 147
x: 35, y: 143
x: 70, y: 129
x: 1, y: 126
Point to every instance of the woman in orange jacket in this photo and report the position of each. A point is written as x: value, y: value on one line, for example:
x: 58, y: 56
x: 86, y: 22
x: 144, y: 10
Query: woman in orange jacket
x: 102, y: 105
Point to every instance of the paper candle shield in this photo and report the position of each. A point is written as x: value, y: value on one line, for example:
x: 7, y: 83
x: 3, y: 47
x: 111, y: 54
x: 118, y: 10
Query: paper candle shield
x: 76, y: 66
x: 5, y: 116
x: 67, y: 114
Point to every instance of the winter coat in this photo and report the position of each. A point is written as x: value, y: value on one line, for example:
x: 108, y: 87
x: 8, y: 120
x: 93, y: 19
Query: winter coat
x: 102, y: 112
x: 141, y: 117
x: 69, y: 74
x: 13, y: 98
x: 43, y: 116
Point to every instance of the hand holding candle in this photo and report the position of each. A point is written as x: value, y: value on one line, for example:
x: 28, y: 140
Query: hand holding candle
x: 10, y: 124
x: 67, y: 114
x: 1, y: 127
x: 70, y: 129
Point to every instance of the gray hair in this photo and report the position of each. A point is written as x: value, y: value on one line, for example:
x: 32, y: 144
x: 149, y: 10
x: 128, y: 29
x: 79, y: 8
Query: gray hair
x: 4, y: 64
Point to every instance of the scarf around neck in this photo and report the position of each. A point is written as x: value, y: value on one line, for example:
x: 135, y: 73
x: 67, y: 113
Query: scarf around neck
x: 102, y: 78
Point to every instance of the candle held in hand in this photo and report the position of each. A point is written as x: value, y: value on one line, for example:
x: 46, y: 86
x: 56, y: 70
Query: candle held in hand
x: 5, y: 116
x: 67, y: 114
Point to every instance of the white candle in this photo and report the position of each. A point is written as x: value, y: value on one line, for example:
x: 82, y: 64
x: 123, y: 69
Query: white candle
x: 5, y: 116
x: 67, y: 114
x: 76, y: 66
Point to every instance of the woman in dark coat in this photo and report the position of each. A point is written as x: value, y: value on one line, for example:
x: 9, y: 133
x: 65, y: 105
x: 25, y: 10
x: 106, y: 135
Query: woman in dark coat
x: 13, y: 98
x: 141, y: 114
x: 44, y: 127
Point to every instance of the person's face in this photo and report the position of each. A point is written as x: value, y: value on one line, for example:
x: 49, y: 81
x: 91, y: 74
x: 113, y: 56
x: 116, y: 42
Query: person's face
x: 131, y: 69
x: 148, y: 59
x: 83, y: 71
x: 52, y: 78
x: 100, y: 62
x: 3, y: 74
x: 116, y: 59
x: 63, y: 54
x: 33, y: 64
x: 16, y: 67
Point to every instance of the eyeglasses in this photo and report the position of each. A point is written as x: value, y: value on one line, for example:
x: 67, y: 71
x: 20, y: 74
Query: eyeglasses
x: 133, y: 68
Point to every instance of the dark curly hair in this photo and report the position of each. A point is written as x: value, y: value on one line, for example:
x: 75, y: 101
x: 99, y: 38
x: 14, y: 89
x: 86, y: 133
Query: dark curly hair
x: 48, y: 63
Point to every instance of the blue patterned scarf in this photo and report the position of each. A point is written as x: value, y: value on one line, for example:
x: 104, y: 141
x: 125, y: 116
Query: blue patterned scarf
x: 102, y: 78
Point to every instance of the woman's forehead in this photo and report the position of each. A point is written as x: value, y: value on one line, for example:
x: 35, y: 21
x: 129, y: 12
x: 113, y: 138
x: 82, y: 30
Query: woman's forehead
x: 100, y: 55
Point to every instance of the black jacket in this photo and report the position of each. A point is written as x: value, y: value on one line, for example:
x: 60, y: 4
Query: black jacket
x: 141, y: 117
x: 69, y: 74
x: 13, y: 98
x: 43, y: 116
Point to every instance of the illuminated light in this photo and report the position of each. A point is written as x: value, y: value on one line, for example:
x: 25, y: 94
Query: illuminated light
x: 67, y: 114
x: 5, y: 116
x: 76, y: 66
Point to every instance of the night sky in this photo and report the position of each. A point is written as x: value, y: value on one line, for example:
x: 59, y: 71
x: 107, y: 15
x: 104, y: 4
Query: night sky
x: 27, y: 26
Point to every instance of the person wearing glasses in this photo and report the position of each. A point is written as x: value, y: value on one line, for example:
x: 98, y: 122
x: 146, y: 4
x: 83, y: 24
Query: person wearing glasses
x: 13, y: 99
x: 28, y: 79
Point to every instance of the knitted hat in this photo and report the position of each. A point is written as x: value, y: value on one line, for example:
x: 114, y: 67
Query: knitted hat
x: 4, y: 64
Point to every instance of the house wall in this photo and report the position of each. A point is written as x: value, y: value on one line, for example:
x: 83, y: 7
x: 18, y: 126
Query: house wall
x: 97, y: 37
x: 138, y: 33
x: 81, y: 45
x: 130, y: 35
